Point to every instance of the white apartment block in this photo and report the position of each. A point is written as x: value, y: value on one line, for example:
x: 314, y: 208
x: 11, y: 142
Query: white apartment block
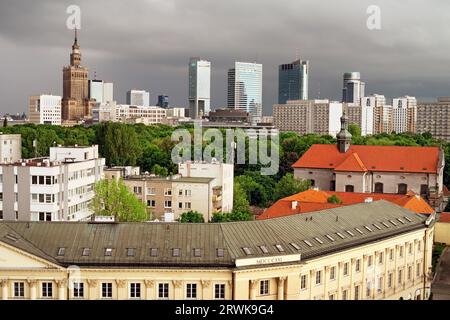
x: 382, y: 113
x: 223, y: 175
x: 404, y: 114
x: 128, y: 113
x: 45, y: 109
x: 56, y: 188
x: 308, y: 116
x: 10, y: 148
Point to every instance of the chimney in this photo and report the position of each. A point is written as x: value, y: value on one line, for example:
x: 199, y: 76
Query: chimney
x: 368, y: 200
x: 294, y: 205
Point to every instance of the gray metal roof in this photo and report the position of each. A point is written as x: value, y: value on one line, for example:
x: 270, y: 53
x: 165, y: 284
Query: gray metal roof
x: 45, y: 238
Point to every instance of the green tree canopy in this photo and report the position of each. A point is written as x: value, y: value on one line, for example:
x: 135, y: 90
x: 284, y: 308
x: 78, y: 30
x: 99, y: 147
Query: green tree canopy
x: 354, y: 129
x: 113, y: 198
x: 334, y: 199
x: 231, y: 216
x: 240, y: 202
x: 288, y: 186
x: 191, y: 217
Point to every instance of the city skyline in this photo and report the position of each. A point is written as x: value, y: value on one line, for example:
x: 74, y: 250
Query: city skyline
x: 155, y: 55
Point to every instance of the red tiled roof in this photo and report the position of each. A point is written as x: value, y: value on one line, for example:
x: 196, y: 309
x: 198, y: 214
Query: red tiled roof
x: 315, y: 200
x: 445, y: 217
x: 372, y: 158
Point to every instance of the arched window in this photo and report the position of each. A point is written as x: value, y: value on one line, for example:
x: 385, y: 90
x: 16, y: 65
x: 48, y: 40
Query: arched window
x: 402, y: 188
x: 349, y: 188
x: 378, y: 187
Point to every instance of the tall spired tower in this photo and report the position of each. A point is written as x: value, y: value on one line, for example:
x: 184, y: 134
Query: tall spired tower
x: 75, y: 103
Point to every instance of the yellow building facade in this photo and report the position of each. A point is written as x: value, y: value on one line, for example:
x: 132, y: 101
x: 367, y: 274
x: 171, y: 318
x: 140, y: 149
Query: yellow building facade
x: 367, y: 251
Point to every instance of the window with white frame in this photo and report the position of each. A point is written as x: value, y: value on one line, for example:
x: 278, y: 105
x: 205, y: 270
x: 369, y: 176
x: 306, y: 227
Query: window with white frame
x: 219, y: 291
x: 78, y: 290
x: 333, y: 273
x: 107, y: 290
x: 47, y: 289
x: 135, y: 290
x: 345, y: 269
x: 264, y: 287
x: 318, y: 277
x: 191, y: 291
x: 19, y: 289
x: 303, y: 282
x: 163, y: 291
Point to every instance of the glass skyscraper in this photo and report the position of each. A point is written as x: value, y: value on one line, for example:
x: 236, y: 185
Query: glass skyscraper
x: 163, y: 101
x: 353, y: 88
x: 293, y: 81
x: 199, y: 87
x: 245, y: 88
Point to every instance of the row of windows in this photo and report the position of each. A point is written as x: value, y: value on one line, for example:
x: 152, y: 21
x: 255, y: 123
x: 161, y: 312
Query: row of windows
x: 153, y: 252
x: 400, y: 279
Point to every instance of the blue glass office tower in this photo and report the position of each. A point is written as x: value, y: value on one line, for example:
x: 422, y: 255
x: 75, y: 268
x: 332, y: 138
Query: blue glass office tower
x: 163, y: 101
x: 245, y: 89
x: 293, y: 81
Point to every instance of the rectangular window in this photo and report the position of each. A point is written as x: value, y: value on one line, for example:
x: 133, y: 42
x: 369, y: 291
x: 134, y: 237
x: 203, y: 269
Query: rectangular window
x: 219, y: 291
x: 400, y: 274
x: 380, y: 258
x: 47, y: 289
x: 191, y: 291
x: 34, y: 180
x: 264, y: 287
x: 41, y: 180
x: 390, y: 280
x: 303, y: 282
x: 409, y: 272
x: 168, y: 192
x: 180, y: 205
x: 418, y: 270
x: 318, y: 277
x: 19, y: 289
x: 346, y: 269
x: 369, y: 261
x: 358, y: 265
x: 167, y: 204
x: 344, y: 294
x: 135, y: 290
x: 107, y: 290
x: 78, y: 290
x: 410, y: 248
x: 48, y: 180
x: 333, y: 273
x: 391, y: 254
x: 163, y: 291
x: 401, y: 252
x: 356, y: 292
x: 380, y: 285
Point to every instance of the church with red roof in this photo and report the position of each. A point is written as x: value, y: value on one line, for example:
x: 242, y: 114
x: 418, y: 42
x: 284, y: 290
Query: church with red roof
x: 374, y: 169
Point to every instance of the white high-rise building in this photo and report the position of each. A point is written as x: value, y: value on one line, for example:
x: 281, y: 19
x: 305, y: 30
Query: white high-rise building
x: 382, y: 113
x: 404, y: 114
x: 367, y: 116
x: 353, y: 89
x: 96, y: 90
x: 45, y: 109
x: 245, y: 89
x: 108, y: 92
x: 57, y: 188
x: 138, y: 98
x: 199, y: 87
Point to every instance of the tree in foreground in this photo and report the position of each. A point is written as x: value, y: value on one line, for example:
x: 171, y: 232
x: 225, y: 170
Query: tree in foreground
x: 191, y: 217
x: 240, y: 201
x: 112, y: 198
x: 231, y: 216
x: 288, y: 186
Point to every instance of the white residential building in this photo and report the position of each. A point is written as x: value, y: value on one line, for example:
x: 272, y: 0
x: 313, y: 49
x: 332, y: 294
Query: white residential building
x: 128, y: 113
x: 404, y: 114
x: 56, y: 188
x: 223, y: 175
x: 10, y: 148
x: 382, y: 113
x: 45, y: 109
x: 138, y: 98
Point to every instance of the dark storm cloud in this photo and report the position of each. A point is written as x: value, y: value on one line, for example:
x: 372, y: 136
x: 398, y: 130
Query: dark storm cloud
x: 147, y: 44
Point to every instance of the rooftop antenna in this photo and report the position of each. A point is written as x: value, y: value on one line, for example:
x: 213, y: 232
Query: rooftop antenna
x: 318, y: 91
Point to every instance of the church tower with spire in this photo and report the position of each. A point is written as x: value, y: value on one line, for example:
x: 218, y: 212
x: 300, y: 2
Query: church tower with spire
x: 344, y: 138
x: 76, y: 105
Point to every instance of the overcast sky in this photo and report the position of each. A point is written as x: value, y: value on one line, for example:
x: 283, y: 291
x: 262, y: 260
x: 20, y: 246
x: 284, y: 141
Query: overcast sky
x: 146, y: 44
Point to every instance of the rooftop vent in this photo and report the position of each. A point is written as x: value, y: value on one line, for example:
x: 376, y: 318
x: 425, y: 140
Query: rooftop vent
x: 175, y: 252
x: 197, y: 252
x: 153, y: 252
x: 130, y: 252
x: 11, y: 237
x: 86, y: 252
x: 318, y: 240
x: 368, y: 200
x: 279, y: 247
x: 220, y: 252
x: 61, y: 251
x: 408, y: 219
x: 309, y: 244
x: 295, y: 246
x: 264, y: 249
x: 350, y: 233
x: 329, y: 237
x: 247, y: 251
x: 108, y: 252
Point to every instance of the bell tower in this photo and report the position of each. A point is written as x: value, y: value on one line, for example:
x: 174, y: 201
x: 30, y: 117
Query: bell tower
x: 344, y: 138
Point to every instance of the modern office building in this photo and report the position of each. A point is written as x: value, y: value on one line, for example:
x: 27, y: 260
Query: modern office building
x: 375, y: 169
x: 308, y: 116
x: 56, y: 188
x: 434, y: 117
x: 108, y: 92
x: 245, y: 89
x: 76, y: 104
x: 96, y: 90
x: 369, y: 251
x: 293, y: 81
x: 199, y: 87
x: 45, y: 109
x: 353, y: 89
x: 163, y: 101
x: 10, y: 148
x: 138, y: 98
